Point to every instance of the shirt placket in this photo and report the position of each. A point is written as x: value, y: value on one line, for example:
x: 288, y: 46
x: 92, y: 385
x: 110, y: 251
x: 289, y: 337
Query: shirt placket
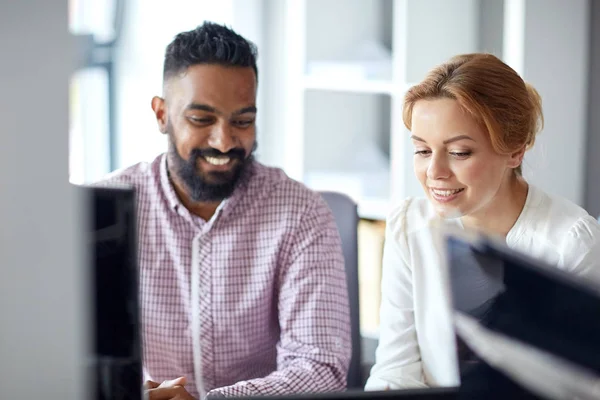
x: 202, y: 324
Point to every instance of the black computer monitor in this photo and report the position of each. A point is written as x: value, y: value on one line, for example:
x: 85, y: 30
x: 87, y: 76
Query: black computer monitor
x: 529, y: 300
x: 117, y: 353
x: 406, y: 394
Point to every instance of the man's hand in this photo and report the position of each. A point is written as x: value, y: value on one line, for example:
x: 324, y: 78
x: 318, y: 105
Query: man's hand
x: 168, y: 390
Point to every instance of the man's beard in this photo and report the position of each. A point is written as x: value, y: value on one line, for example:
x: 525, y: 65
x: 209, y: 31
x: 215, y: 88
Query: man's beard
x: 209, y: 186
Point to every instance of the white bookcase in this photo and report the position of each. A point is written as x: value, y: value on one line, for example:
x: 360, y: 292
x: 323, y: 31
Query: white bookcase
x: 347, y: 66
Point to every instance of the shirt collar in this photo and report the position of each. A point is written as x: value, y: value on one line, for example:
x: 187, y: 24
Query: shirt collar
x: 167, y: 186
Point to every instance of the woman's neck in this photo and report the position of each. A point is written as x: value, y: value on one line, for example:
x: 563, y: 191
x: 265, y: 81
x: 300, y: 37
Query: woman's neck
x: 500, y: 215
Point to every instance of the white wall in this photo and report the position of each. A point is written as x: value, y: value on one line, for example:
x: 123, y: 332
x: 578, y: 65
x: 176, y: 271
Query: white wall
x: 491, y: 26
x: 438, y: 30
x: 363, y: 21
x: 555, y: 57
x: 283, y: 52
x: 41, y: 301
x: 592, y: 199
x: 271, y: 83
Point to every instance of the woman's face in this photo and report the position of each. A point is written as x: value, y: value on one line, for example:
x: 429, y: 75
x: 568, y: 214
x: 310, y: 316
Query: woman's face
x: 454, y: 159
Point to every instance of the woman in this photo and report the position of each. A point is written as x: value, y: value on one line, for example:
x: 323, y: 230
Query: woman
x: 471, y: 120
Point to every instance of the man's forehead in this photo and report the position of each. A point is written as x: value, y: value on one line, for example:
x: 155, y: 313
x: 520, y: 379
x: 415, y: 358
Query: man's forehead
x: 213, y: 84
x: 209, y: 76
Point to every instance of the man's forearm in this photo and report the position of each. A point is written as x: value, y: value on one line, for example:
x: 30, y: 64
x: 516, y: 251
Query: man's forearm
x: 303, y: 377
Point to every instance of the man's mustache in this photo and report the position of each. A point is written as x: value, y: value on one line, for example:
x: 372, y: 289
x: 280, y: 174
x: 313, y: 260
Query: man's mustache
x: 236, y: 153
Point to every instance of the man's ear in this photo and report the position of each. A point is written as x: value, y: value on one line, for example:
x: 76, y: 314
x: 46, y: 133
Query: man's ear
x: 160, y: 111
x: 516, y: 158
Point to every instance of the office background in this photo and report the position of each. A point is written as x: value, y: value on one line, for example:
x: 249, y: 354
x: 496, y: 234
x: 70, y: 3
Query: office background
x: 331, y: 88
x: 105, y: 87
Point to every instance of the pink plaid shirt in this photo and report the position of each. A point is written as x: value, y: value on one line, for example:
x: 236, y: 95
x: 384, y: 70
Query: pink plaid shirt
x: 251, y: 302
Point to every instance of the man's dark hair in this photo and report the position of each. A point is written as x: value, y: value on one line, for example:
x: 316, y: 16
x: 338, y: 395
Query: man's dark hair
x: 209, y: 43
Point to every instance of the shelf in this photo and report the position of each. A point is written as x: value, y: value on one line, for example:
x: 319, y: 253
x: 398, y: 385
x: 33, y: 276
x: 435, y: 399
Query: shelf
x: 373, y: 208
x: 356, y: 86
x: 369, y: 334
x: 371, y: 197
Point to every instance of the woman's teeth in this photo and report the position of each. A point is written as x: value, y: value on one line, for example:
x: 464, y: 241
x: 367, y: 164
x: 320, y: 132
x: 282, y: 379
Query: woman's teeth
x: 445, y: 193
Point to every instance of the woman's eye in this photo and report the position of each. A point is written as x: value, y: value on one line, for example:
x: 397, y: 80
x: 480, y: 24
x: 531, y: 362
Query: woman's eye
x: 461, y: 154
x: 422, y: 152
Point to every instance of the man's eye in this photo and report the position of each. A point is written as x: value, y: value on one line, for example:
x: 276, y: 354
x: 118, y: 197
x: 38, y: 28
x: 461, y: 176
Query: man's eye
x: 244, y: 123
x: 200, y: 120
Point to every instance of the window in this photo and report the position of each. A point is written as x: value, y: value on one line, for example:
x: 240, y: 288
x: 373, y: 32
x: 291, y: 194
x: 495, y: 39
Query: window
x: 96, y: 26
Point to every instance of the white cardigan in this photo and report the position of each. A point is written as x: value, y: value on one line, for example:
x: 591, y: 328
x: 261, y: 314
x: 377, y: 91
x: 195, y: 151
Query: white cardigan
x: 417, y: 342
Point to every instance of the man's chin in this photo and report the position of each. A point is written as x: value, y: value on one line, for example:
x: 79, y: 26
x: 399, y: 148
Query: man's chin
x: 212, y: 187
x: 218, y: 180
x: 210, y: 193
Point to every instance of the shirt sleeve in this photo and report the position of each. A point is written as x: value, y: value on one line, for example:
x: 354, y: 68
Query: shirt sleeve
x: 397, y: 359
x: 314, y: 350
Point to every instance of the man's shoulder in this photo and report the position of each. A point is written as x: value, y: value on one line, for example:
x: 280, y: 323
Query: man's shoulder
x: 274, y: 184
x: 136, y: 175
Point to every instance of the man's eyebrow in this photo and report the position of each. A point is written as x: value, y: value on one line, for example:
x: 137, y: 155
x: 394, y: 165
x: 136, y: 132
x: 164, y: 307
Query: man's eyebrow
x: 245, y: 110
x: 211, y: 109
x: 201, y: 107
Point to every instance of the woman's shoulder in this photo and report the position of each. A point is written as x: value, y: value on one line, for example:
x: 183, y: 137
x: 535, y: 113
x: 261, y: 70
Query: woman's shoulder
x: 563, y: 216
x: 558, y: 226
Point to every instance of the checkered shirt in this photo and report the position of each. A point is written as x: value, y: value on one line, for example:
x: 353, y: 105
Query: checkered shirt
x: 251, y: 302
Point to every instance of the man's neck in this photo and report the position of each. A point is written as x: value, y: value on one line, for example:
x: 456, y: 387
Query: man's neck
x: 204, y: 210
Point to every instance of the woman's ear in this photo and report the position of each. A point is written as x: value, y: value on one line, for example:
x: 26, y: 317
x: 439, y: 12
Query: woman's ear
x: 516, y: 158
x: 158, y: 106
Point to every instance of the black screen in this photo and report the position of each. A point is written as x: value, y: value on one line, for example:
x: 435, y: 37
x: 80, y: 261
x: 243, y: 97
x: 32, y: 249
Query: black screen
x: 117, y: 366
x: 535, y: 303
x: 547, y: 308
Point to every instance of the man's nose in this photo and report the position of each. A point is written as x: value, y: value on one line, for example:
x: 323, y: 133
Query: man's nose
x: 222, y: 138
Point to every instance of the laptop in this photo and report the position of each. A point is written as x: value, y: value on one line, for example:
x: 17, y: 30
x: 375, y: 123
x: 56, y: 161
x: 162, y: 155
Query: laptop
x: 407, y: 394
x: 534, y: 313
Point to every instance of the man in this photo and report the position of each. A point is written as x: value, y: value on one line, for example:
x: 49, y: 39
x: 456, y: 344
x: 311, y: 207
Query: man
x: 242, y: 281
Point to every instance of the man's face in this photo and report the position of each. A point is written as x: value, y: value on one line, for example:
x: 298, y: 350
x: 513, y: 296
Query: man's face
x: 209, y: 113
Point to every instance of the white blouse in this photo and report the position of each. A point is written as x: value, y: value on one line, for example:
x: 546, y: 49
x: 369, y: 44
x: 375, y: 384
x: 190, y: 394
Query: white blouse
x: 417, y: 343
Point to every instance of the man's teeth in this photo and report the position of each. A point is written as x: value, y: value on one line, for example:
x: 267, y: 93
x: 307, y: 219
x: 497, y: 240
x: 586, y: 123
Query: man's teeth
x: 217, y: 160
x: 445, y: 193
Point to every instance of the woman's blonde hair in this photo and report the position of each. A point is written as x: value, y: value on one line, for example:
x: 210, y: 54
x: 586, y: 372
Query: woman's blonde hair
x: 491, y: 92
